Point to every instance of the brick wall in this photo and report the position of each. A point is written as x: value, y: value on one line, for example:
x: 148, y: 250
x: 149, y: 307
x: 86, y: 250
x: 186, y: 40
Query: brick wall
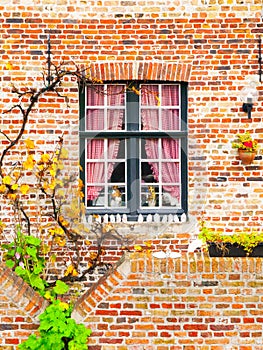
x: 210, y: 44
x: 19, y: 308
x: 213, y: 45
x: 191, y: 303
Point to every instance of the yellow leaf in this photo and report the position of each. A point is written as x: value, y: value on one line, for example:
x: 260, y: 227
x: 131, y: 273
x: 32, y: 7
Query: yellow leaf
x: 29, y: 163
x: 7, y: 180
x: 16, y: 174
x: 12, y: 196
x: 63, y: 153
x: 158, y: 101
x: 24, y: 189
x: 87, y: 242
x: 29, y: 144
x: 47, y: 295
x: 53, y: 170
x: 74, y: 272
x: 138, y: 248
x: 148, y: 243
x: 3, y: 188
x: 14, y: 187
x: 69, y: 270
x: 9, y: 66
x: 61, y: 193
x: 45, y: 158
x: 53, y: 258
x: 64, y: 305
x: 45, y: 249
x: 60, y: 166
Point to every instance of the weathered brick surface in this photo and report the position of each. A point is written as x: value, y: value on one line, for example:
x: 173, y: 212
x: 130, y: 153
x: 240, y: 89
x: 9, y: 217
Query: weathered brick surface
x: 195, y: 302
x: 19, y: 308
x: 212, y: 45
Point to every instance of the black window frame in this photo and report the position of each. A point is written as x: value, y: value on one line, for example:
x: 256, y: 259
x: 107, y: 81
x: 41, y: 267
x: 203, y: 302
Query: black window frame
x: 132, y: 134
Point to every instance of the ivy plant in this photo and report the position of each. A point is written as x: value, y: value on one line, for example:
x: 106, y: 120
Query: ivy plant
x: 247, y: 240
x: 24, y: 256
x: 58, y: 330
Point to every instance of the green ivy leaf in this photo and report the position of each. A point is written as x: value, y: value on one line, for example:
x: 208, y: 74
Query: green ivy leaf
x: 31, y: 240
x: 10, y: 263
x: 20, y: 272
x: 61, y: 287
x: 37, y: 282
x: 32, y: 251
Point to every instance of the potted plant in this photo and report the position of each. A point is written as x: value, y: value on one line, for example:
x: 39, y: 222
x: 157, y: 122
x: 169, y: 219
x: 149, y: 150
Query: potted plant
x: 246, y: 146
x: 238, y: 244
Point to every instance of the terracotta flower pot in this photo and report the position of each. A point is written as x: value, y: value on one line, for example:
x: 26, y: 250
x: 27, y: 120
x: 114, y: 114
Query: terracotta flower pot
x: 246, y: 156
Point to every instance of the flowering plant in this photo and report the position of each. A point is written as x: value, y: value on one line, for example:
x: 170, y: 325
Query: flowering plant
x: 245, y: 142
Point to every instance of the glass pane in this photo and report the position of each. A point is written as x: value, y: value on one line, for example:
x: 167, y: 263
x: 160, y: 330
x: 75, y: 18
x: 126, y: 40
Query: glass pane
x: 95, y: 119
x: 147, y: 173
x: 150, y: 119
x: 115, y: 119
x: 149, y: 149
x: 95, y: 95
x: 115, y: 95
x: 170, y: 172
x: 170, y: 95
x: 95, y: 173
x: 171, y: 197
x: 116, y: 196
x: 170, y: 149
x: 149, y: 95
x: 117, y: 171
x: 149, y: 196
x: 95, y: 149
x: 95, y: 196
x: 170, y: 119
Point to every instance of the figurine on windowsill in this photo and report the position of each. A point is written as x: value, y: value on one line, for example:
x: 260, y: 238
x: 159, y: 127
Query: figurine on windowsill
x: 115, y: 197
x: 151, y: 196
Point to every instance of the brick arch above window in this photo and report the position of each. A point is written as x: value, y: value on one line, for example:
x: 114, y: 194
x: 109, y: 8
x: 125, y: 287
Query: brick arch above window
x: 163, y: 71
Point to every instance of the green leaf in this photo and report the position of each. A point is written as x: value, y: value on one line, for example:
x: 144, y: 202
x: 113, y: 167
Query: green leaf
x: 10, y: 263
x: 32, y: 251
x: 37, y: 282
x: 20, y: 271
x: 31, y: 240
x: 61, y: 287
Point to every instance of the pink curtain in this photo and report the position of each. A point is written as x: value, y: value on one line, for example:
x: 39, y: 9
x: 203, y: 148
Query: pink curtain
x: 167, y: 120
x: 95, y: 148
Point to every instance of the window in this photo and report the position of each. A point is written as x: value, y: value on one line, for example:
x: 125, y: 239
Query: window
x: 133, y: 148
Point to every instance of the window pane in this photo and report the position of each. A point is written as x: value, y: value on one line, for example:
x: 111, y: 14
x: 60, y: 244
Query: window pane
x: 95, y: 196
x: 95, y: 95
x: 117, y: 171
x: 150, y: 119
x: 116, y: 196
x: 170, y: 149
x: 171, y: 198
x: 149, y: 196
x: 170, y: 95
x: 115, y: 119
x: 95, y: 149
x: 115, y: 95
x: 170, y: 119
x: 149, y: 149
x: 149, y: 95
x: 95, y: 119
x: 170, y: 172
